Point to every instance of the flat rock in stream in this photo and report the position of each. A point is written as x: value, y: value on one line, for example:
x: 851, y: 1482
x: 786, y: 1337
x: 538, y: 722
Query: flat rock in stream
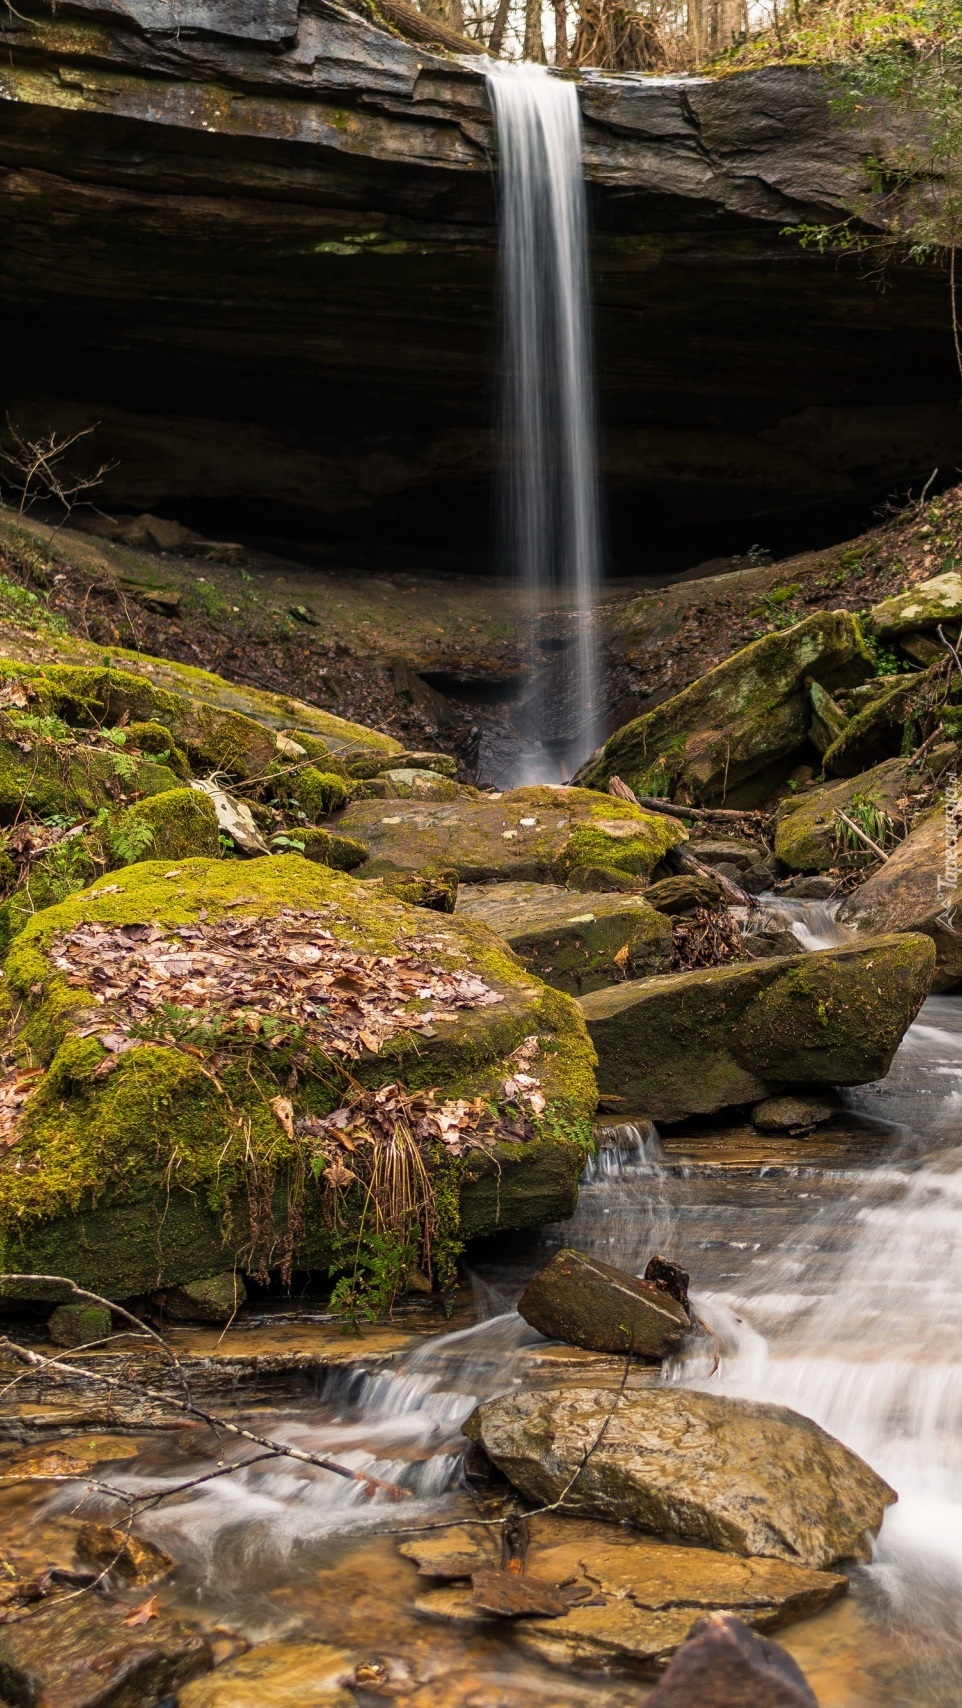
x: 744, y: 1478
x: 576, y: 942
x: 691, y: 1043
x: 632, y: 1600
x: 540, y: 834
x: 80, y: 1653
x: 577, y: 1299
x: 290, y: 1674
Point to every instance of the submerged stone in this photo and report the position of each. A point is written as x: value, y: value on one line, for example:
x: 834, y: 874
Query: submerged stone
x: 691, y: 1043
x: 79, y: 1653
x: 722, y: 1664
x: 126, y: 1558
x: 745, y: 1478
x: 577, y: 942
x: 578, y: 1299
x: 291, y: 1674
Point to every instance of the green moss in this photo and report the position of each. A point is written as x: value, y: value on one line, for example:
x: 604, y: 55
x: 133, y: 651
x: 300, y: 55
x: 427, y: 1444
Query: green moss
x: 342, y: 853
x: 154, y: 738
x: 314, y: 793
x: 165, y: 1129
x: 732, y: 733
x: 174, y: 825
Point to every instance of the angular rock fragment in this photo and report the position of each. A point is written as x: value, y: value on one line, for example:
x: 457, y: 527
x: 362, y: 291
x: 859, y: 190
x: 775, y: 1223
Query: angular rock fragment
x: 691, y: 1043
x: 129, y: 1559
x: 809, y: 837
x: 577, y: 942
x: 683, y: 894
x: 215, y: 1300
x: 724, y: 1665
x: 79, y: 1325
x: 744, y: 1478
x: 577, y: 1299
x: 793, y: 1114
x: 924, y: 606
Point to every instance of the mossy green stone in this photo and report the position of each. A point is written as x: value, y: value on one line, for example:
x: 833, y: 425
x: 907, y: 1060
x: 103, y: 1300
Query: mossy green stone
x: 182, y: 823
x: 537, y: 834
x: 733, y: 732
x: 924, y: 606
x: 577, y: 941
x: 140, y: 1180
x: 695, y: 1042
x: 808, y: 835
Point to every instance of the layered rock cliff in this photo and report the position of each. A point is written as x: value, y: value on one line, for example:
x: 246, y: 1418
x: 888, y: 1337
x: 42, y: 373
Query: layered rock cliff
x: 256, y: 242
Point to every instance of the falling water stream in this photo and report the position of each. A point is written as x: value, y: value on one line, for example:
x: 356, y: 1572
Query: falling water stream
x: 831, y: 1274
x: 550, y: 495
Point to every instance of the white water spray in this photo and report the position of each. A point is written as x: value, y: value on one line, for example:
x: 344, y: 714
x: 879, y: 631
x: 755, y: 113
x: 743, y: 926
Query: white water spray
x: 550, y: 499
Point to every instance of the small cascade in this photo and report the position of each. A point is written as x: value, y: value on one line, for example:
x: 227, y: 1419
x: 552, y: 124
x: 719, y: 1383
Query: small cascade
x: 550, y: 493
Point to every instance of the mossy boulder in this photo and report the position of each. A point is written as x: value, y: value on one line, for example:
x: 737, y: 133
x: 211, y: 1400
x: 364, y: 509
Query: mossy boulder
x: 341, y: 853
x: 695, y: 1042
x: 312, y: 792
x: 924, y: 606
x: 176, y: 825
x: 808, y: 835
x: 152, y: 1156
x: 735, y: 732
x: 412, y: 784
x: 577, y: 942
x: 911, y: 892
x: 887, y: 726
x: 539, y: 834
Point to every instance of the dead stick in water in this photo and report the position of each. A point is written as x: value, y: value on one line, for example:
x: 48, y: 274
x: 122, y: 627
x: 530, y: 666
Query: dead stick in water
x: 187, y: 1405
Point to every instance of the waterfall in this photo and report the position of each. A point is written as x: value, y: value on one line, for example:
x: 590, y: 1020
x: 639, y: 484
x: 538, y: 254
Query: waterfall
x: 550, y: 497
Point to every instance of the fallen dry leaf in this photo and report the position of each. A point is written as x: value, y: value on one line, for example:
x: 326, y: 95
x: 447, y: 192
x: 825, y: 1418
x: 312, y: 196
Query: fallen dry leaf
x: 284, y: 1110
x: 144, y: 1613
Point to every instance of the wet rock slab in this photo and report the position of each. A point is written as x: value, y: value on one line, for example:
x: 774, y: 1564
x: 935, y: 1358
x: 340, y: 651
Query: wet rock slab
x: 578, y: 1299
x: 281, y: 1675
x: 81, y: 1653
x: 577, y: 942
x: 730, y: 1474
x: 632, y: 1600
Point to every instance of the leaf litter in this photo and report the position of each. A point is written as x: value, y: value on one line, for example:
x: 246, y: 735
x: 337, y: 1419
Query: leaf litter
x: 262, y: 980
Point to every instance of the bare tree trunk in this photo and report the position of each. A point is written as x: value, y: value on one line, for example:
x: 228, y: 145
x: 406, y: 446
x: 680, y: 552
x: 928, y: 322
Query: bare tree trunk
x: 449, y: 12
x: 560, y: 32
x: 533, y: 39
x: 496, y: 40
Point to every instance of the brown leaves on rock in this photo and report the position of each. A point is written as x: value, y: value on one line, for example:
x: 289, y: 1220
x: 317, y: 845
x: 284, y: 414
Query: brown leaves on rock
x: 263, y: 980
x: 374, y: 1118
x: 14, y: 1091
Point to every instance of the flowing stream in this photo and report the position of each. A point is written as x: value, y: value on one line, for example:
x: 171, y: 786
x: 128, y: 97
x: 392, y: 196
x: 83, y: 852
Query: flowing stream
x: 550, y: 493
x: 831, y: 1275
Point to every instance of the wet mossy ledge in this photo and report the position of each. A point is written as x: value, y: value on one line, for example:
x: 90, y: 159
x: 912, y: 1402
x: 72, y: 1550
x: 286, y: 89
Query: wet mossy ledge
x: 169, y: 1161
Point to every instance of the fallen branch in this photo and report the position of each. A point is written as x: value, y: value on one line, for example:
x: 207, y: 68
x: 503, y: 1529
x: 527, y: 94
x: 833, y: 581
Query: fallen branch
x: 679, y: 858
x: 710, y: 815
x: 187, y: 1406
